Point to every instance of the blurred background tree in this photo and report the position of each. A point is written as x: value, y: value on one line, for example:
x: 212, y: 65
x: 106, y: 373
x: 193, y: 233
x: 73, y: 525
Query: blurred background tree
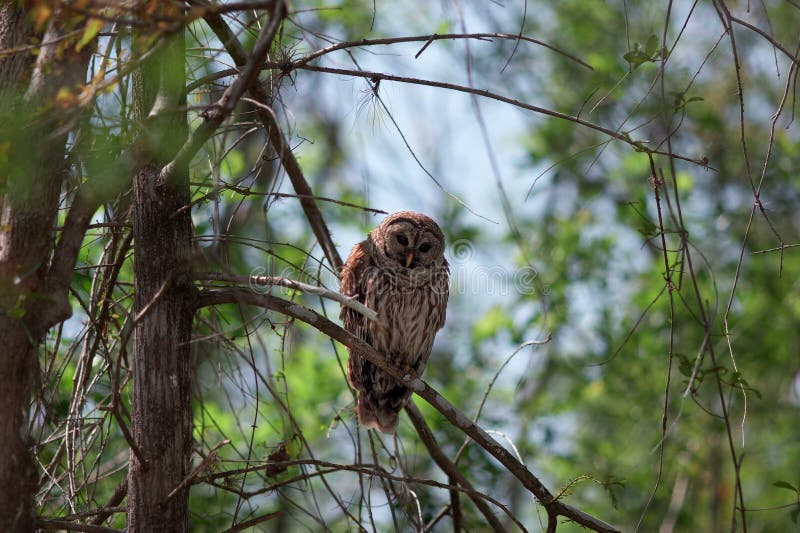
x: 619, y: 178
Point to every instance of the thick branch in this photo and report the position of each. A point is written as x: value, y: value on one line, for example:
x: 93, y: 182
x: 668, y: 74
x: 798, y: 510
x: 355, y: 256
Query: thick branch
x: 279, y: 144
x: 448, y: 410
x: 92, y: 194
x: 259, y: 283
x: 65, y: 256
x: 223, y: 107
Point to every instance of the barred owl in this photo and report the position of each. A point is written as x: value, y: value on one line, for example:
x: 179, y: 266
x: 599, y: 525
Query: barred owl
x: 400, y: 272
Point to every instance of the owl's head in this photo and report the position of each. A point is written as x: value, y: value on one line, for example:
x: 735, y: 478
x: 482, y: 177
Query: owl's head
x: 409, y: 240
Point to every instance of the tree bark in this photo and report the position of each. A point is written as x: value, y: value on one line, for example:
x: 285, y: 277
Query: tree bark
x: 17, y: 473
x: 14, y: 33
x: 31, y: 175
x: 164, y: 305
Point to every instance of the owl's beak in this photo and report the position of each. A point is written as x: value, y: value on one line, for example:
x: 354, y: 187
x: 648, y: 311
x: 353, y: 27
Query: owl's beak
x: 409, y: 258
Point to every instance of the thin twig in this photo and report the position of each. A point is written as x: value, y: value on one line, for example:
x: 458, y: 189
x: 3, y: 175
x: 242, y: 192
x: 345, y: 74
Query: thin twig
x: 222, y: 108
x: 330, y: 467
x: 253, y: 522
x: 114, y: 410
x: 450, y: 412
x: 374, y: 76
x: 279, y: 144
x: 63, y: 525
x: 205, y: 465
x: 438, y: 37
x: 491, y: 385
x: 119, y: 494
x: 447, y: 466
x: 287, y: 67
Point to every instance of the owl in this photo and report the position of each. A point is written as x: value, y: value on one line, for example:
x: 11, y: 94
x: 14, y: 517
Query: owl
x: 399, y: 272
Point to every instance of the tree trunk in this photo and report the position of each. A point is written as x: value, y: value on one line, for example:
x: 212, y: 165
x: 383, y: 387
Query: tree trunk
x: 17, y: 473
x: 31, y: 176
x: 164, y: 305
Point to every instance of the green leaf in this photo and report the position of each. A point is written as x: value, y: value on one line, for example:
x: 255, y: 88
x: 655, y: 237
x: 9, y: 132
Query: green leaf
x: 651, y: 47
x: 17, y: 312
x: 680, y: 100
x: 640, y: 55
x: 93, y: 27
x: 636, y: 57
x: 685, y: 366
x: 786, y: 485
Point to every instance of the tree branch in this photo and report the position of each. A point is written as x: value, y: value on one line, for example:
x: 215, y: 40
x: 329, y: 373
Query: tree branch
x: 448, y: 410
x: 126, y: 432
x: 794, y: 59
x: 371, y: 470
x: 288, y: 66
x: 447, y: 466
x: 222, y: 108
x: 377, y: 76
x: 65, y: 256
x: 90, y: 196
x: 258, y: 283
x: 63, y: 525
x: 427, y: 39
x: 279, y: 144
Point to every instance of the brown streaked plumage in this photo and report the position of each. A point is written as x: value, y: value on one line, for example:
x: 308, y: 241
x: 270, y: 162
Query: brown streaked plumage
x: 400, y: 272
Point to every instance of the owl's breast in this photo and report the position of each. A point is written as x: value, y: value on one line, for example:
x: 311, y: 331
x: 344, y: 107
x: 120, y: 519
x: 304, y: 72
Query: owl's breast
x: 411, y: 313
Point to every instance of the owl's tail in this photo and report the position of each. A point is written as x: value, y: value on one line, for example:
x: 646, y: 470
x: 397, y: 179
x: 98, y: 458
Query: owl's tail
x: 381, y: 417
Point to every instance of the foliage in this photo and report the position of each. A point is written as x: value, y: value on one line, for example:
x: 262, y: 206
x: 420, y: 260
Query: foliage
x: 650, y: 229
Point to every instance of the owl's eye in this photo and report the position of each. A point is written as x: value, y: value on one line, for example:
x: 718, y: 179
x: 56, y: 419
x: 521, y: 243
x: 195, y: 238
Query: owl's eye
x: 424, y: 247
x: 402, y: 240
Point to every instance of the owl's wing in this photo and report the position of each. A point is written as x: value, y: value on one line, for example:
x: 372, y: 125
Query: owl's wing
x: 441, y: 293
x: 351, y: 285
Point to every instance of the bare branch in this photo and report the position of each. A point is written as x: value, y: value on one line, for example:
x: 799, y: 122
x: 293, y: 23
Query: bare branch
x: 280, y: 145
x: 448, y: 410
x: 371, y: 470
x: 62, y: 525
x: 257, y: 284
x: 447, y: 466
x: 375, y: 76
x: 253, y: 521
x: 792, y: 57
x: 427, y: 39
x: 208, y: 463
x: 119, y: 494
x: 64, y: 259
x: 220, y: 110
x: 379, y: 76
x: 114, y: 410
